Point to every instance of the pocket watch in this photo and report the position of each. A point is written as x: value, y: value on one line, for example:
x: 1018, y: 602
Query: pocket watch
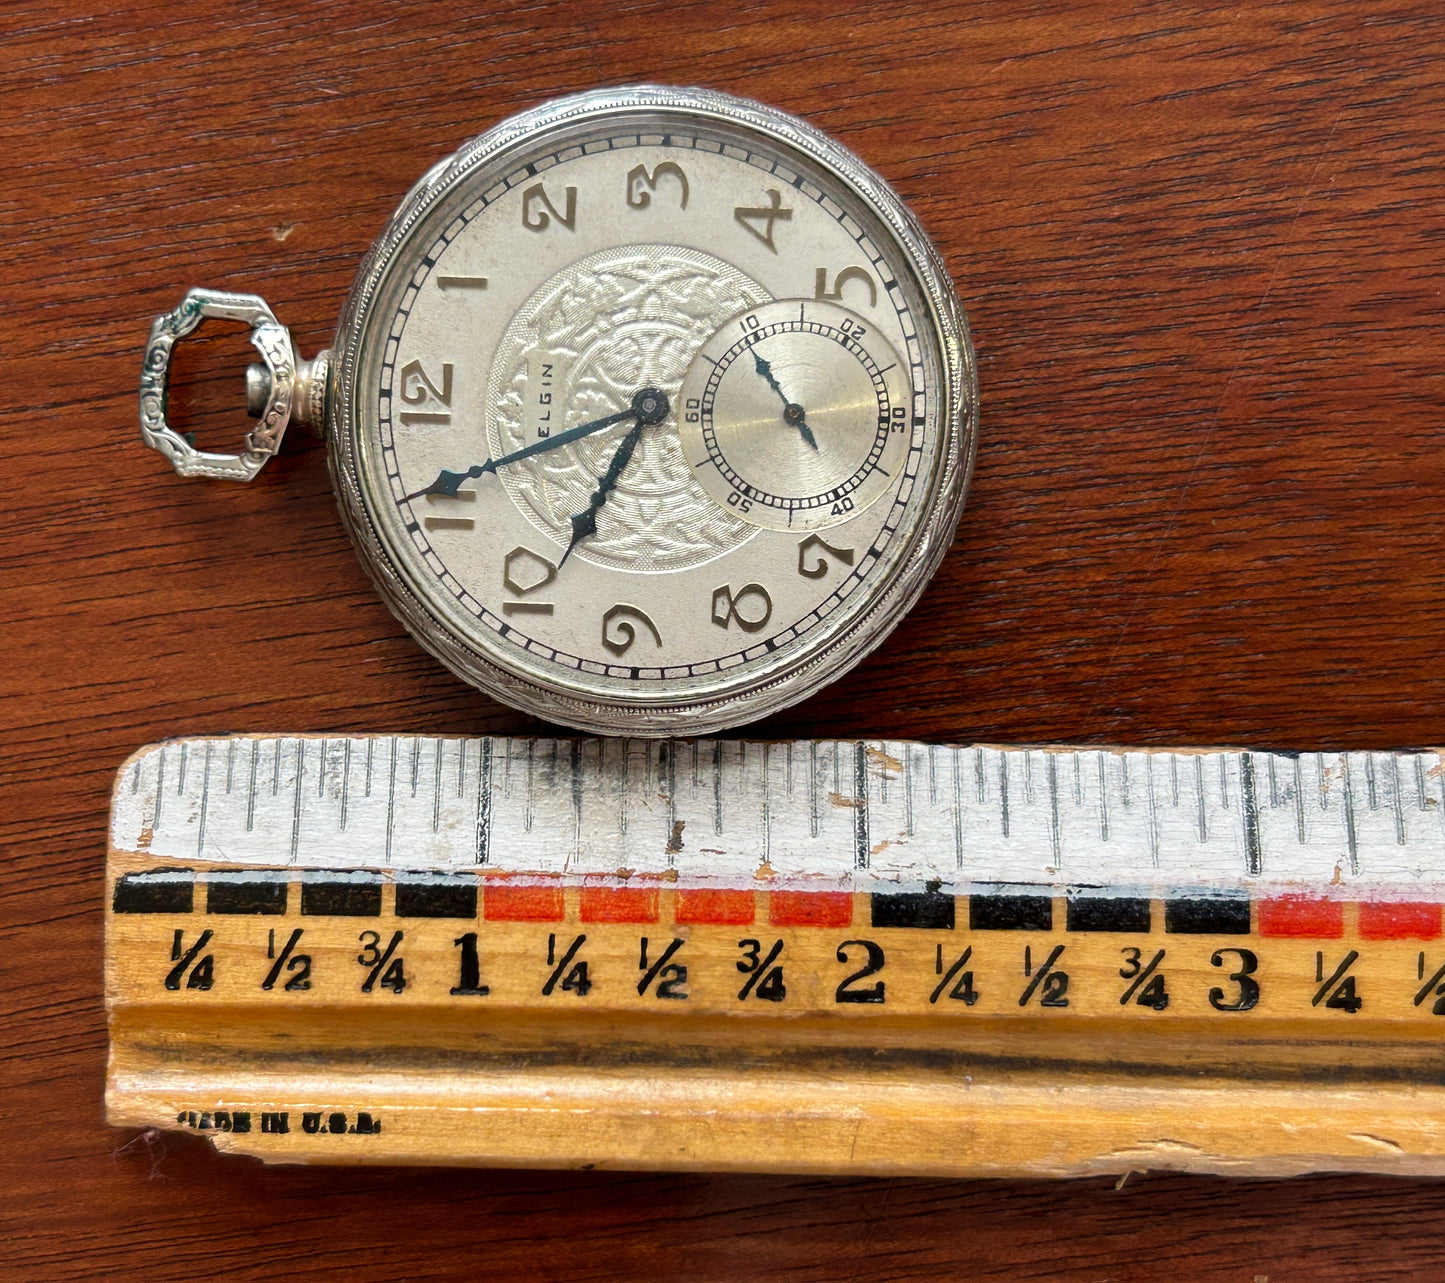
x: 651, y: 411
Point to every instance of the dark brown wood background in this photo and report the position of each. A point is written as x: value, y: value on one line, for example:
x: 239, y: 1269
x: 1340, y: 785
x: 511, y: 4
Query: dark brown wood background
x: 1201, y: 248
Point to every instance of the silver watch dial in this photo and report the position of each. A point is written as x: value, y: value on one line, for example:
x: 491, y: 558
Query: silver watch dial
x: 654, y: 411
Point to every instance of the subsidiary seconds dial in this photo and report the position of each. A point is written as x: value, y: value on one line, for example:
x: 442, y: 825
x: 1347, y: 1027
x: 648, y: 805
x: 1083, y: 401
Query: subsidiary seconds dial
x: 796, y: 415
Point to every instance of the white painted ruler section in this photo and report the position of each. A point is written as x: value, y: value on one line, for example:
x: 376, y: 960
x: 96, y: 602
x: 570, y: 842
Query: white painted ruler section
x: 847, y: 814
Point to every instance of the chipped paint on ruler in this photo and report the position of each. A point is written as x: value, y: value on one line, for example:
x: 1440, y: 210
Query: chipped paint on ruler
x: 829, y: 813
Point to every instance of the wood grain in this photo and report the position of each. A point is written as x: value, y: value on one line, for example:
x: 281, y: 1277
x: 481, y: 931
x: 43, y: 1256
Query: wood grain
x: 1201, y: 251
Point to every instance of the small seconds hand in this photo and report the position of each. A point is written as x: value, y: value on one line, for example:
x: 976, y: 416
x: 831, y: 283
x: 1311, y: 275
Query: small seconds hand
x: 792, y: 412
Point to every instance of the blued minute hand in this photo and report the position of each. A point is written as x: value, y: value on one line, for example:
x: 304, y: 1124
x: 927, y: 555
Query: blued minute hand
x: 447, y: 483
x: 792, y: 412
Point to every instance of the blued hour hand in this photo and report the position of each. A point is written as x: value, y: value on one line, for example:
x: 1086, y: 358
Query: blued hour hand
x: 649, y: 406
x: 585, y: 523
x: 792, y: 412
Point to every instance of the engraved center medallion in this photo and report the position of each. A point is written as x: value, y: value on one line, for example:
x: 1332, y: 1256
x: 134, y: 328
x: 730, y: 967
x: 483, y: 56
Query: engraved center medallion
x: 578, y: 349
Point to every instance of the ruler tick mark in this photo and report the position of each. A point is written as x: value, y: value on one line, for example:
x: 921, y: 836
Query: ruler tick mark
x: 345, y: 781
x: 861, y: 851
x: 483, y: 823
x: 1349, y: 814
x: 813, y: 788
x: 957, y: 807
x: 390, y: 798
x: 908, y: 789
x: 1152, y: 815
x: 575, y: 763
x: 1200, y: 799
x: 1399, y: 802
x: 160, y: 790
x: 672, y: 842
x: 767, y: 819
x: 251, y: 794
x: 296, y: 806
x: 527, y: 813
x: 1253, y: 855
x: 205, y: 795
x: 1103, y: 799
x: 1299, y: 801
x: 717, y: 788
x: 1003, y: 792
x: 230, y: 762
x: 436, y: 794
x: 1055, y: 835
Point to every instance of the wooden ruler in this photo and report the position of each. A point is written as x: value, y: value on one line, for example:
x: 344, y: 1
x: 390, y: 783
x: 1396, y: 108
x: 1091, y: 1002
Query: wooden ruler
x: 827, y: 956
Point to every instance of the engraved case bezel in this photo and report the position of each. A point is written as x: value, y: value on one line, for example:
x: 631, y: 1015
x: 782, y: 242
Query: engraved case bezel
x: 753, y: 696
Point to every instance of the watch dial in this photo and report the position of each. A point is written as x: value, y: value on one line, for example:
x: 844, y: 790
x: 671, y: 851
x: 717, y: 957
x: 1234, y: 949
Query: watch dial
x: 650, y: 408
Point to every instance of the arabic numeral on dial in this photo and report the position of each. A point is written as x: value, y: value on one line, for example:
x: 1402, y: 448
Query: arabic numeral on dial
x: 845, y: 504
x: 859, y: 274
x: 523, y: 573
x: 750, y: 607
x: 693, y: 409
x: 539, y: 213
x: 898, y: 418
x: 822, y: 550
x: 850, y: 329
x: 641, y: 184
x: 618, y: 634
x: 735, y: 500
x: 416, y: 386
x: 758, y: 220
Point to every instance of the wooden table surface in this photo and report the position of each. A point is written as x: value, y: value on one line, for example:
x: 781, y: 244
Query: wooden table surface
x: 1201, y: 249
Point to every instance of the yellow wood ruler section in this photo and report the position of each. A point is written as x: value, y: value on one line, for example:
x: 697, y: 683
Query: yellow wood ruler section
x: 531, y: 953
